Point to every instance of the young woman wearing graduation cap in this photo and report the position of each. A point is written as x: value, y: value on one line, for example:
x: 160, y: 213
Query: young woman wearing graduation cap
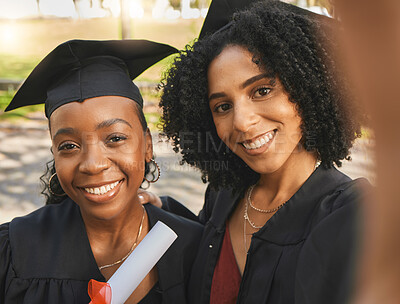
x: 102, y: 152
x: 259, y: 106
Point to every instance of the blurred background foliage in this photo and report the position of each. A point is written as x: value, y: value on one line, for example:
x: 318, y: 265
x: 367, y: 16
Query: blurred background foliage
x: 24, y: 42
x: 34, y: 39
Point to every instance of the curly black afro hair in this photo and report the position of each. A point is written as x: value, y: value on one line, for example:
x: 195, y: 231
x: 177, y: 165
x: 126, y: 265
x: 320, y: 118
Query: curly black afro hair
x: 51, y: 187
x: 284, y: 44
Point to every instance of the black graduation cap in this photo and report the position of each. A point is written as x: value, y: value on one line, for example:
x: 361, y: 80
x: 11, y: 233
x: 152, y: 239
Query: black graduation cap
x: 221, y: 11
x: 220, y: 14
x: 80, y: 69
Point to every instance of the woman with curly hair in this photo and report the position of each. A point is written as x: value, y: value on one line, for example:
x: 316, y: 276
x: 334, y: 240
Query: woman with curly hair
x: 102, y: 153
x: 261, y: 109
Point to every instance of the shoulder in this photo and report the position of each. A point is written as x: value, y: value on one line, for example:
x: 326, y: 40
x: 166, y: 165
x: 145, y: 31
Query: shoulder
x: 337, y: 214
x: 5, y: 259
x: 213, y: 196
x: 327, y: 257
x: 187, y: 230
x: 45, y: 238
x: 4, y: 238
x: 42, y: 220
x: 344, y: 196
x: 45, y: 214
x: 172, y: 205
x: 4, y: 231
x: 351, y: 191
x: 174, y: 266
x: 217, y: 203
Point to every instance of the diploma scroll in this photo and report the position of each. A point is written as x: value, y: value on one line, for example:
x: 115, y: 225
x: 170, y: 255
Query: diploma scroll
x: 139, y: 263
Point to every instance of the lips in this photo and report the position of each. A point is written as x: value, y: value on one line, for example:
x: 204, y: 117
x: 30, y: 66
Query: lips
x: 101, y: 192
x: 259, y: 142
x: 102, y: 189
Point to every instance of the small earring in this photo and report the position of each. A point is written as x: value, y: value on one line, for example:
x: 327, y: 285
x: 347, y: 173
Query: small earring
x: 158, y: 171
x: 49, y: 186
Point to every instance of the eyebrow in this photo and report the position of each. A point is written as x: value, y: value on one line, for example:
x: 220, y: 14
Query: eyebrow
x: 113, y: 121
x: 103, y: 124
x: 254, y: 79
x: 216, y: 95
x: 64, y: 131
x: 244, y: 85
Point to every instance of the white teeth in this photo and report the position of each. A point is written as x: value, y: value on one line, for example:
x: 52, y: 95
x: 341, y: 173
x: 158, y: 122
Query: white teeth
x: 101, y: 190
x: 259, y: 142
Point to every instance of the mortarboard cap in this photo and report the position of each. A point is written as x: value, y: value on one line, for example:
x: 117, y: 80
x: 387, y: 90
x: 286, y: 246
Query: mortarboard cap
x: 221, y: 11
x: 80, y: 69
x: 220, y: 14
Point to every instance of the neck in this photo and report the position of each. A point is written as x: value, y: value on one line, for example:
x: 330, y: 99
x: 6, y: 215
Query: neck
x: 279, y: 186
x: 118, y: 231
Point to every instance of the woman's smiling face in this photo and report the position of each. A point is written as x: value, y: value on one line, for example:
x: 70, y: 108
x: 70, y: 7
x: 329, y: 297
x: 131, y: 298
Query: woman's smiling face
x: 252, y: 112
x: 100, y: 150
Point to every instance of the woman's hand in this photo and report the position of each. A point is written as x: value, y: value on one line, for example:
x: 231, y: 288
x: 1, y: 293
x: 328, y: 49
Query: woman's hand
x: 149, y: 197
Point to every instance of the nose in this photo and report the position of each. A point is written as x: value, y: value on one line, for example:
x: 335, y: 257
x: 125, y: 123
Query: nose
x: 244, y: 117
x: 94, y: 160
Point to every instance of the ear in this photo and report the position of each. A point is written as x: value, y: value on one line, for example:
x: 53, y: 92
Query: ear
x: 148, y: 146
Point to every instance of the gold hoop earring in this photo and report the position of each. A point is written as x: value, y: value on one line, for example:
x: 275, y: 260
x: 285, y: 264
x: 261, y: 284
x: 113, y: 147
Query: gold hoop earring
x: 158, y: 171
x: 49, y: 186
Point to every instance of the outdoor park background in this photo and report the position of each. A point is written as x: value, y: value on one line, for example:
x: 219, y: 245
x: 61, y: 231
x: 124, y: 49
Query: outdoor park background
x: 27, y: 36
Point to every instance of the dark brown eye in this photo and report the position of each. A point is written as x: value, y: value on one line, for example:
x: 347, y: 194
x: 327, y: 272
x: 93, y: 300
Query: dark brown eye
x: 222, y: 108
x: 116, y: 138
x: 262, y: 92
x: 67, y: 146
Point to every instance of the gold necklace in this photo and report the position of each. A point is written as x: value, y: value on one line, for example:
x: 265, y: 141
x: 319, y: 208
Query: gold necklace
x: 317, y: 163
x: 258, y: 209
x: 133, y: 246
x: 244, y: 236
x: 246, y: 217
x: 248, y: 202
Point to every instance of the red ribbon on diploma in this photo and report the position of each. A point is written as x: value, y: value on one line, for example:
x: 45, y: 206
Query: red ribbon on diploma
x: 99, y: 292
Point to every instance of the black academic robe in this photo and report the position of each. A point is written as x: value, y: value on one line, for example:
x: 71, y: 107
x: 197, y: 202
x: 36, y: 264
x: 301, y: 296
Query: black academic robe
x: 45, y: 257
x: 303, y: 254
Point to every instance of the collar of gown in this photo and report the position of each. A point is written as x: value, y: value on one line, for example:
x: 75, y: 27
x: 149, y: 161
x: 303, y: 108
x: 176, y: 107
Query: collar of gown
x: 290, y: 224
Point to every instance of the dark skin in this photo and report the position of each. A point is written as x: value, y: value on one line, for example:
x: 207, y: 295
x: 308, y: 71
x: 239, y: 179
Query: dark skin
x: 100, y: 150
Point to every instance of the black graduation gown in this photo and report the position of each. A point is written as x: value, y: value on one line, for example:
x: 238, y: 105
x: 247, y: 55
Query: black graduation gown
x: 45, y: 257
x: 303, y: 254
